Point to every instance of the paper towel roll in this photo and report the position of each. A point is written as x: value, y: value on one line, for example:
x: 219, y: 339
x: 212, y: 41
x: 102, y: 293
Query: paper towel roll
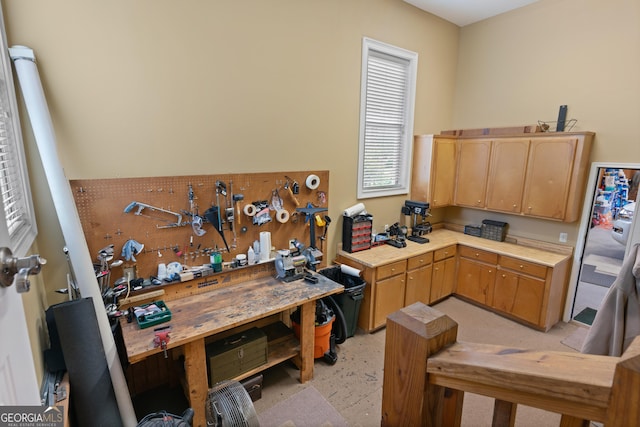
x: 265, y: 245
x: 354, y: 210
x: 347, y: 269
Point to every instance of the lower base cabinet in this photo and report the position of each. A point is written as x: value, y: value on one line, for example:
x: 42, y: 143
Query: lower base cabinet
x: 476, y: 281
x: 389, y: 297
x: 524, y: 291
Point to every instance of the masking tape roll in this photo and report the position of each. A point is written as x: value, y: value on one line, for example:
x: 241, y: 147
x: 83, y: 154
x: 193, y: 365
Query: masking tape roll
x: 312, y: 182
x: 282, y: 216
x: 249, y: 209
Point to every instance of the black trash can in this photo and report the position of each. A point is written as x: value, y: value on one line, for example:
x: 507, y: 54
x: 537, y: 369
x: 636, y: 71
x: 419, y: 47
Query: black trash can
x: 349, y: 301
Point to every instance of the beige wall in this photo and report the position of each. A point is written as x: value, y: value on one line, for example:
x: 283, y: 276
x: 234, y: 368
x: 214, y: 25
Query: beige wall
x: 160, y: 87
x: 518, y: 68
x: 164, y: 87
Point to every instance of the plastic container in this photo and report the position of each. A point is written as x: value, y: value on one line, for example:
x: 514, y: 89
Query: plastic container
x: 349, y: 301
x: 322, y: 337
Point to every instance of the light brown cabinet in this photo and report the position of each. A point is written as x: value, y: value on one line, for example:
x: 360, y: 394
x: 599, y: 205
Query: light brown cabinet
x: 389, y: 291
x: 443, y: 278
x: 540, y: 174
x: 433, y: 175
x: 548, y: 179
x: 476, y: 274
x: 478, y: 270
x: 472, y: 171
x: 506, y: 174
x: 419, y: 271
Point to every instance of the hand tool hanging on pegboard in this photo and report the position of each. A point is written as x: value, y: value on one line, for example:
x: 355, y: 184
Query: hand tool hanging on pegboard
x: 213, y: 213
x: 231, y: 215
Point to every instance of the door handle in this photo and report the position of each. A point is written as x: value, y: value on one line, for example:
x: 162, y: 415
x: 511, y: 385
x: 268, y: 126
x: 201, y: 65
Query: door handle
x: 12, y: 267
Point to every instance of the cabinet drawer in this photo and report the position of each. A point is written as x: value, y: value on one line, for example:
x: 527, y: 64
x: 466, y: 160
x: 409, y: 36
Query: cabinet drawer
x: 479, y: 255
x: 525, y: 267
x: 443, y: 253
x: 419, y: 261
x: 391, y: 269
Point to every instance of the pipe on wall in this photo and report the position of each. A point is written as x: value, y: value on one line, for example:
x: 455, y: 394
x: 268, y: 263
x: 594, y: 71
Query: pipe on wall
x: 36, y: 104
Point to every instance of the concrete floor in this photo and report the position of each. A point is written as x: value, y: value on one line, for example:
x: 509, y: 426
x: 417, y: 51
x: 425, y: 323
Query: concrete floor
x: 354, y: 384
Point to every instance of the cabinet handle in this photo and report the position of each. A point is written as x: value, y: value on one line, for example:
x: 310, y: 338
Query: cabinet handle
x: 521, y: 266
x: 410, y: 278
x: 490, y: 271
x: 477, y: 254
x: 478, y: 202
x: 446, y: 253
x: 514, y: 205
x: 421, y: 260
x: 393, y: 269
x: 504, y: 276
x: 437, y: 268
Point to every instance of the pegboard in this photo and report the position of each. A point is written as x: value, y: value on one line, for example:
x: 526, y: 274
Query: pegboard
x: 101, y: 206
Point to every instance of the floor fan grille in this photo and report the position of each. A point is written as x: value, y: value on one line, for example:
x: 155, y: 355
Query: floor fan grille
x: 229, y: 405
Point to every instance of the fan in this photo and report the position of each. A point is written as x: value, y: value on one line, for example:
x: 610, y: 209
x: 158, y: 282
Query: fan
x: 229, y: 405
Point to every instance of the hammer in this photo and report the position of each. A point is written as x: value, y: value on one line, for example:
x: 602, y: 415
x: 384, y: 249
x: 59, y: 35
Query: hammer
x: 236, y: 198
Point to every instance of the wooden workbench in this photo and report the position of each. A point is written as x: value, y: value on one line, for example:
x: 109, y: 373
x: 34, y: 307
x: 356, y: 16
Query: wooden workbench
x: 196, y: 317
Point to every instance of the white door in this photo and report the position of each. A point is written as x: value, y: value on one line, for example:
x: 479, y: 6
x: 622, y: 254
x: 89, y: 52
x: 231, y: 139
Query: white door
x: 18, y: 383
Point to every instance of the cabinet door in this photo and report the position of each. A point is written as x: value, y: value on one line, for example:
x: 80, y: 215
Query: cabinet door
x: 476, y: 281
x: 548, y: 180
x: 443, y: 279
x: 507, y: 171
x: 472, y: 170
x: 389, y: 298
x: 418, y: 285
x: 434, y: 169
x: 519, y: 295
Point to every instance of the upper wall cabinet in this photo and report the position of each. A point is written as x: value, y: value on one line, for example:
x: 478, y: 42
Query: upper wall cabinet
x: 434, y: 169
x: 472, y: 170
x: 507, y: 171
x: 540, y: 175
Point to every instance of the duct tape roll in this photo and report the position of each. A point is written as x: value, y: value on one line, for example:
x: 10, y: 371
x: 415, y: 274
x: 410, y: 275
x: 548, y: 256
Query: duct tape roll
x: 354, y: 210
x: 249, y: 209
x: 282, y: 216
x: 312, y: 182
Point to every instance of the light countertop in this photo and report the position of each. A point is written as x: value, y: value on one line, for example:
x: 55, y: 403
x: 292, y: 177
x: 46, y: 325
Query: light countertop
x: 440, y: 238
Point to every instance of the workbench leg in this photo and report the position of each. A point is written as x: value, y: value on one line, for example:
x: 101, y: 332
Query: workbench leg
x: 195, y: 366
x: 307, y: 340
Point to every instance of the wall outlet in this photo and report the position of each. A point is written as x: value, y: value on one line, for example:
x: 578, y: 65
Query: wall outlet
x: 563, y: 238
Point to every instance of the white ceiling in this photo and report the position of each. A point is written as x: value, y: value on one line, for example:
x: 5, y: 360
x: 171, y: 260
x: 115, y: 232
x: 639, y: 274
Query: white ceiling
x: 465, y: 12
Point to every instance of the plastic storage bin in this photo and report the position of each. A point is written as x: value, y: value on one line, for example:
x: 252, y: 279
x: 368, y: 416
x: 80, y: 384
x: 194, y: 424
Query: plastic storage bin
x: 349, y: 301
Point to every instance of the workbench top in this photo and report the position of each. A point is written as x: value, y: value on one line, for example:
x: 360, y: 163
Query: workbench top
x: 201, y: 315
x: 440, y: 238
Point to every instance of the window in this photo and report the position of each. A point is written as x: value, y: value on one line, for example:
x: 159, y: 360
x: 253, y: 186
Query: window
x: 386, y: 119
x: 19, y: 228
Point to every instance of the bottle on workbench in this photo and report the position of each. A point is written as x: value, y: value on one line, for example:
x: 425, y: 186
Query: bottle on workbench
x: 251, y: 256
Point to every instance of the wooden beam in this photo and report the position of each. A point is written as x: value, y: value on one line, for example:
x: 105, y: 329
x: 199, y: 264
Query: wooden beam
x: 413, y: 334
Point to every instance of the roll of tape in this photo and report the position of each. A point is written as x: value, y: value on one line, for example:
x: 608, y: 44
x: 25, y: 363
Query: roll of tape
x: 312, y: 182
x: 249, y: 210
x: 282, y: 216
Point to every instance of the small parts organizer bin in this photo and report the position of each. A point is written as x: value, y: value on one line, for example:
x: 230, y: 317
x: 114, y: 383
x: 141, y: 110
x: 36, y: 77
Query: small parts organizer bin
x: 356, y: 232
x: 152, y: 314
x: 492, y: 230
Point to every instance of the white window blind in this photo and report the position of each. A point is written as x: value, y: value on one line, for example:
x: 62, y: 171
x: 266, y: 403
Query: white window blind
x: 18, y: 231
x: 386, y: 122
